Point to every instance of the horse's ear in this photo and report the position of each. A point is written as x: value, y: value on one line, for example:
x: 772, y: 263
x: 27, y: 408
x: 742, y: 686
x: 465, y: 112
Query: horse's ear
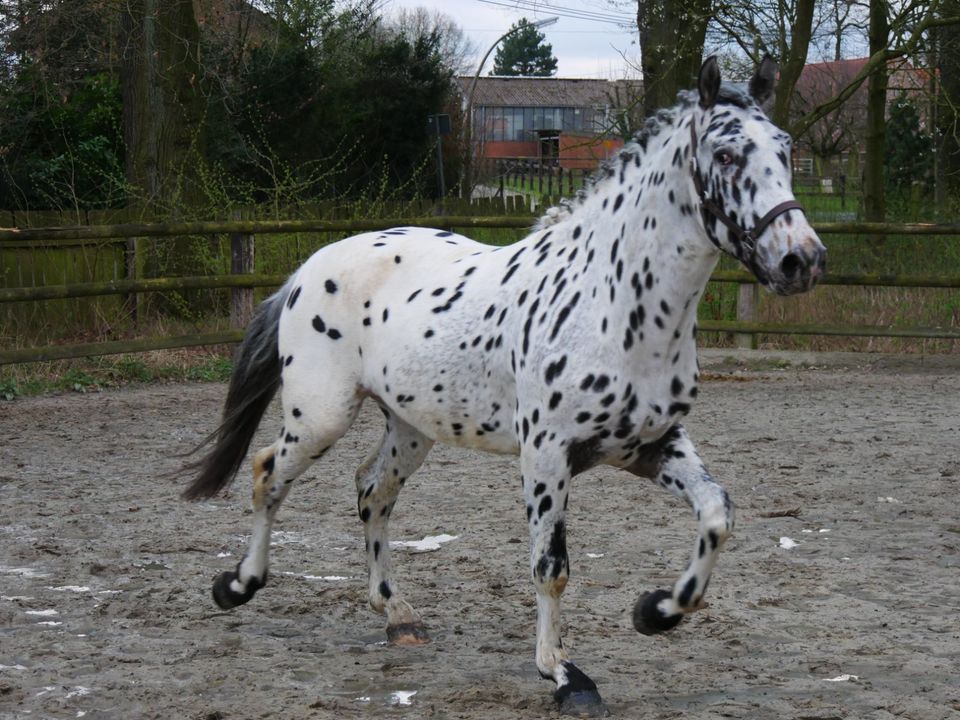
x: 709, y: 82
x: 763, y: 80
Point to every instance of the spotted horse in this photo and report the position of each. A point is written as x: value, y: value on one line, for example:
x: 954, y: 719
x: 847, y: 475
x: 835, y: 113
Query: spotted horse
x: 573, y: 347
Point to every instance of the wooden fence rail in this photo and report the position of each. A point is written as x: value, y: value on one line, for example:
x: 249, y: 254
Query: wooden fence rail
x: 242, y: 279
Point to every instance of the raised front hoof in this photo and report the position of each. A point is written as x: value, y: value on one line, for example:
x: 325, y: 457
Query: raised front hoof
x: 648, y: 619
x: 226, y: 597
x: 578, y: 697
x: 413, y: 633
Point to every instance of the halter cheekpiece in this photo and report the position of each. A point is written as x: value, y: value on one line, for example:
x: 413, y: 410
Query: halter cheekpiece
x: 747, y: 238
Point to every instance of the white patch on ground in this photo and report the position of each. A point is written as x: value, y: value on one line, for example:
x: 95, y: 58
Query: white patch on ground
x: 282, y: 537
x: 788, y: 543
x: 13, y: 667
x: 428, y: 544
x: 22, y: 572
x: 43, y: 613
x: 328, y: 578
x: 70, y: 588
x: 842, y: 678
x: 325, y: 578
x: 402, y: 697
x: 594, y: 555
x: 78, y: 691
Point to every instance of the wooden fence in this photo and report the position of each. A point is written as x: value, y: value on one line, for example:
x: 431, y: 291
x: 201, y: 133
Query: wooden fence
x: 544, y: 180
x: 242, y: 279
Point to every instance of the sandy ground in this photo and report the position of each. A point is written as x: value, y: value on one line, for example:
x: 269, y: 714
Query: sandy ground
x: 105, y: 608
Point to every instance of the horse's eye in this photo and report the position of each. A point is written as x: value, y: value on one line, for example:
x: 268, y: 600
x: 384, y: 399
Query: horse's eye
x: 723, y: 157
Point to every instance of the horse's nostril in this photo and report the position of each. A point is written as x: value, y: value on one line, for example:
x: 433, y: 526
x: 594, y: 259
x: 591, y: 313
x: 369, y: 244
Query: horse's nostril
x: 790, y: 266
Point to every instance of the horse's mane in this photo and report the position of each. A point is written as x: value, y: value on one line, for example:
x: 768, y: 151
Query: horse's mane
x: 636, y: 148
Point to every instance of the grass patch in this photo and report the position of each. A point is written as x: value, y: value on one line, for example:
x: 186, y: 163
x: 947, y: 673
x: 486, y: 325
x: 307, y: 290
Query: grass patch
x: 113, y: 371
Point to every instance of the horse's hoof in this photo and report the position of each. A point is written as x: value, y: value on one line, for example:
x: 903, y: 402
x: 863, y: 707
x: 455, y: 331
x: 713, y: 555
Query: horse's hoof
x: 648, y: 619
x: 412, y: 633
x: 579, y: 697
x: 582, y: 703
x: 226, y: 597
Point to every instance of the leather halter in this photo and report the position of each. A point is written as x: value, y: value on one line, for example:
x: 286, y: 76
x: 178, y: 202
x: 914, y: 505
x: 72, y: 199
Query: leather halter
x: 747, y: 238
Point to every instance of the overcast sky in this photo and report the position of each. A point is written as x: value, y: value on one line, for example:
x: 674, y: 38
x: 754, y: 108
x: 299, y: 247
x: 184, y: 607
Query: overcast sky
x: 587, y: 39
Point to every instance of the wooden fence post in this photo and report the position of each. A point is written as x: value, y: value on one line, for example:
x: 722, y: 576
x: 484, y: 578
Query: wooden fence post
x: 131, y: 301
x: 747, y: 297
x: 133, y: 261
x: 241, y: 262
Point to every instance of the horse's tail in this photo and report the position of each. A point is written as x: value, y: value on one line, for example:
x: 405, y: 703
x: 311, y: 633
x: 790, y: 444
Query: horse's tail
x: 253, y: 383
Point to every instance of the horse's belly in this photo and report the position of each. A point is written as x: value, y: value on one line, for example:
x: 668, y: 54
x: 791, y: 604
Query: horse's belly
x: 451, y: 395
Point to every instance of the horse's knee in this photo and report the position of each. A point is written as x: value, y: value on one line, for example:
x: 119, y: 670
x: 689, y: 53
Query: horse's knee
x: 717, y: 519
x: 551, y: 567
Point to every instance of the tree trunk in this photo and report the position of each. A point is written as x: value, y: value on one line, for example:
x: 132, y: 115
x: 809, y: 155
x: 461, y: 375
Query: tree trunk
x: 948, y: 102
x: 672, y: 33
x: 874, y: 206
x: 793, y: 60
x: 162, y: 101
x: 163, y: 110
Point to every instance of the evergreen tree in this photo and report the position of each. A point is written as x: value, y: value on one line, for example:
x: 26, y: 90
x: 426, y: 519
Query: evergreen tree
x: 909, y: 149
x: 524, y: 53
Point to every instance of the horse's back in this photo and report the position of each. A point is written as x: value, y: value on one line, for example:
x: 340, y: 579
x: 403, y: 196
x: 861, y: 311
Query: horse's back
x: 385, y: 314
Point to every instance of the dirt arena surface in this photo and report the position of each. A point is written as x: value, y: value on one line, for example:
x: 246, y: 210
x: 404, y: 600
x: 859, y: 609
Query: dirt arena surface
x: 105, y: 607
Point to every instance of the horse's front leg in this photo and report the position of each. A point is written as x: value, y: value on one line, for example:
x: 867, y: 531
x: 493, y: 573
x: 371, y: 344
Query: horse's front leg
x: 546, y: 485
x: 674, y: 464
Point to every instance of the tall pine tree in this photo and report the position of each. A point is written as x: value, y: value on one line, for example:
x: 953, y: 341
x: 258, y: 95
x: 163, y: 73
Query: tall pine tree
x: 909, y: 150
x: 524, y: 53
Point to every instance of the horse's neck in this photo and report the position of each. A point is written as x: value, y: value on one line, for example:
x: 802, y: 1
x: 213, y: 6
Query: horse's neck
x: 659, y: 238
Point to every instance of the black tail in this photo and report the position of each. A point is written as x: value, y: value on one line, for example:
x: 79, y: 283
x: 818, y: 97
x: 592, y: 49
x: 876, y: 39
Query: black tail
x: 254, y: 382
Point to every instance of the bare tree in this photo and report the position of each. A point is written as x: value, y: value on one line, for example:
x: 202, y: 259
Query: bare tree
x: 948, y: 104
x: 874, y: 198
x: 672, y: 34
x: 840, y: 131
x: 457, y: 50
x: 162, y: 98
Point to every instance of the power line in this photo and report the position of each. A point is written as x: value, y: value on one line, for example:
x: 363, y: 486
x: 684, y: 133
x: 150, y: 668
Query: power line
x: 536, y: 5
x: 572, y: 13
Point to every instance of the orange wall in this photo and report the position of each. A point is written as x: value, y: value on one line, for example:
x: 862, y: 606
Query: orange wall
x: 586, y: 151
x: 510, y: 149
x: 576, y: 151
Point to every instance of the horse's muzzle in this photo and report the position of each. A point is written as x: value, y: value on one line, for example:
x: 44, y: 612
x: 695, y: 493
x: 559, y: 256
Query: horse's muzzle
x: 800, y: 269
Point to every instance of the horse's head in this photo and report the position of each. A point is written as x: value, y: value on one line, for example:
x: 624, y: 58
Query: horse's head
x: 742, y: 174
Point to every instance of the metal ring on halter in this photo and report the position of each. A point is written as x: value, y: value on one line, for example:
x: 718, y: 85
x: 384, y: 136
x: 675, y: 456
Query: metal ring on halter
x: 747, y: 238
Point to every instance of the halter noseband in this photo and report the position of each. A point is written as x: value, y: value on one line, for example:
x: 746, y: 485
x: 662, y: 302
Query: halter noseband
x: 747, y: 238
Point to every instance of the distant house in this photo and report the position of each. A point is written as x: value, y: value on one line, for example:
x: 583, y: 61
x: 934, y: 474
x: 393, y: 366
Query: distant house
x: 567, y: 122
x: 835, y: 143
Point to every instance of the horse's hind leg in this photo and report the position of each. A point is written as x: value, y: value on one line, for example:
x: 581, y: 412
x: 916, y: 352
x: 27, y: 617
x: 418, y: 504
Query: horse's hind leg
x: 675, y: 465
x: 308, y: 433
x: 379, y: 479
